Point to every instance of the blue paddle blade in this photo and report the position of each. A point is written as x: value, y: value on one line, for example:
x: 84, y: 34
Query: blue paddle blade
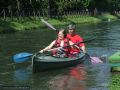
x: 21, y: 57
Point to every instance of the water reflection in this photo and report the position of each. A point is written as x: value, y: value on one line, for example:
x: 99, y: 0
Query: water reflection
x: 22, y: 74
x: 93, y: 77
x: 74, y: 80
x: 100, y: 77
x: 16, y: 74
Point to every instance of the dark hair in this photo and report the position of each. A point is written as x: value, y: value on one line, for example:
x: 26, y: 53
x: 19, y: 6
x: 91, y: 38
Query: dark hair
x: 72, y: 26
x: 63, y: 31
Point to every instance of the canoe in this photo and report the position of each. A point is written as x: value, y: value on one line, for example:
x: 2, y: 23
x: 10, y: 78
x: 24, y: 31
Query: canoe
x: 115, y: 69
x: 46, y: 62
x: 115, y: 58
x: 115, y: 61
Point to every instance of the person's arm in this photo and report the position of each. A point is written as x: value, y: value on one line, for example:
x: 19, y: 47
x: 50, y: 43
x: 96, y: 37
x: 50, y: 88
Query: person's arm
x: 48, y: 47
x: 73, y: 46
x: 82, y: 45
x: 77, y: 47
x: 83, y: 49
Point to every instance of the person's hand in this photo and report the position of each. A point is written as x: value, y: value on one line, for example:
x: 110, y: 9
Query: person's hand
x: 41, y: 51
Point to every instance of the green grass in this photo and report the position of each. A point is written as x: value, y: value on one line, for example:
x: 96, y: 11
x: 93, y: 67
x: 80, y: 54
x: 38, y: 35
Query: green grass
x: 115, y: 82
x: 106, y: 16
x: 30, y: 23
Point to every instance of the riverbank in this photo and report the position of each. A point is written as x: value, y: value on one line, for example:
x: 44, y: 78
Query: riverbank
x: 30, y: 23
x: 115, y: 81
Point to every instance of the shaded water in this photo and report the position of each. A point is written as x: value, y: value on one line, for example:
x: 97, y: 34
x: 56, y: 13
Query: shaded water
x: 96, y: 77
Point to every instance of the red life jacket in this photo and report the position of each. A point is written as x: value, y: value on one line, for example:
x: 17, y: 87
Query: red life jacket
x: 57, y: 44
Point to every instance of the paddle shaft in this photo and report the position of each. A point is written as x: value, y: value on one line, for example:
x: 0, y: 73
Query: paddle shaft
x: 53, y: 28
x: 70, y: 45
x: 49, y: 25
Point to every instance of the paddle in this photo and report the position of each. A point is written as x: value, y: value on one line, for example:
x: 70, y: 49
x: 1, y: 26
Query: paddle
x: 70, y: 45
x: 25, y: 56
x: 49, y: 25
x: 94, y: 60
x: 21, y: 57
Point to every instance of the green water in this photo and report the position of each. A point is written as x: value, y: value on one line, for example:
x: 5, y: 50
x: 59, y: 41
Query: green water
x: 96, y: 77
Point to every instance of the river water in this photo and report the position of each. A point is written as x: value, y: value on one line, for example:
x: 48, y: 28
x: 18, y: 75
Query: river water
x: 96, y: 77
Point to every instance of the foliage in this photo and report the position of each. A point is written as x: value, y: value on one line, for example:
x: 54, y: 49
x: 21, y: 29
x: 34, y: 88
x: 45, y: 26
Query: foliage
x: 85, y: 3
x: 30, y: 23
x: 115, y: 82
x: 61, y: 5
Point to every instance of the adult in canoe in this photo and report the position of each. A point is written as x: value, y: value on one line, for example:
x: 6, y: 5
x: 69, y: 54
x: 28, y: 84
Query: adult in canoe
x: 60, y: 45
x: 74, y: 37
x: 61, y: 55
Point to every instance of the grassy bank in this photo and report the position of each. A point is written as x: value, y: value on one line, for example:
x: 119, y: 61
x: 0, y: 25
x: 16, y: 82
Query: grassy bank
x: 30, y: 23
x: 115, y: 84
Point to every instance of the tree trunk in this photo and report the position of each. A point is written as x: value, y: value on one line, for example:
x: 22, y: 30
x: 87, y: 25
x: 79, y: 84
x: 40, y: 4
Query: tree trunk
x: 18, y: 5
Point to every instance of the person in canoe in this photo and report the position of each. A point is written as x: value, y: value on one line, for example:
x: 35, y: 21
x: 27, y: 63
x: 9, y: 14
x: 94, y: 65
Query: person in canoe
x: 74, y: 37
x: 61, y: 46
